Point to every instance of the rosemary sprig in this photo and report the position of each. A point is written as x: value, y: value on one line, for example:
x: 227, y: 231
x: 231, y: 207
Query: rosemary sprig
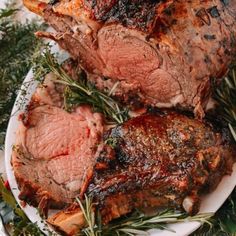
x: 226, y: 98
x: 82, y: 91
x: 224, y: 221
x: 7, y: 12
x: 139, y: 223
x: 135, y: 224
x: 87, y: 208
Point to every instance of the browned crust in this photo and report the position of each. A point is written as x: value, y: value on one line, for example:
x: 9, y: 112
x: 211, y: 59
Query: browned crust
x: 138, y: 14
x: 32, y: 193
x: 68, y: 221
x: 186, y: 159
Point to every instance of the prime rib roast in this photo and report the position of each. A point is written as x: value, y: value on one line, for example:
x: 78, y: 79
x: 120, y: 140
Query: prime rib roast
x: 55, y: 151
x: 158, y: 159
x: 162, y: 159
x: 157, y: 54
x: 163, y: 53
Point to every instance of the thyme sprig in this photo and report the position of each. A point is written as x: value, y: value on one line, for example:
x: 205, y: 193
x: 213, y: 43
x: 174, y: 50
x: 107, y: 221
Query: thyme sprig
x: 83, y: 91
x: 135, y: 224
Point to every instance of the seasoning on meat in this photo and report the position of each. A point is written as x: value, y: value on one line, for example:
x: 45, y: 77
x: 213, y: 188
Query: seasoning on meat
x: 158, y: 160
x: 166, y: 57
x: 151, y: 161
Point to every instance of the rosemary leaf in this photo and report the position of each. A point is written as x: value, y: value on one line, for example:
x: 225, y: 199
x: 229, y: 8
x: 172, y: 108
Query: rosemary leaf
x: 224, y: 221
x: 225, y: 95
x: 7, y: 12
x: 81, y: 91
x: 136, y: 223
x: 232, y: 130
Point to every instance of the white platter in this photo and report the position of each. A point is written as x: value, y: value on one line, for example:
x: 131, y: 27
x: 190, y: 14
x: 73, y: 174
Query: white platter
x: 211, y: 203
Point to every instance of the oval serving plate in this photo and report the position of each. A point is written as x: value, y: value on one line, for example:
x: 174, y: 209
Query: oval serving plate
x: 210, y: 203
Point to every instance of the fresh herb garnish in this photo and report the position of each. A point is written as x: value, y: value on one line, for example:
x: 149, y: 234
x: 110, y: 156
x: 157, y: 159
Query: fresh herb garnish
x: 111, y: 141
x: 226, y: 97
x: 8, y: 198
x: 88, y: 209
x: 224, y: 221
x: 82, y: 91
x: 17, y: 44
x: 7, y: 12
x: 135, y: 224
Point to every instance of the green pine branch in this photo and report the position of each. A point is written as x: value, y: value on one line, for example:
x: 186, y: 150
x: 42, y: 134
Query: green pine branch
x: 17, y: 44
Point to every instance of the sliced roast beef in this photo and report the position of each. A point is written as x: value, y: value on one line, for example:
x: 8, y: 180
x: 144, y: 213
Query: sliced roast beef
x: 155, y: 160
x: 55, y: 153
x: 163, y: 51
